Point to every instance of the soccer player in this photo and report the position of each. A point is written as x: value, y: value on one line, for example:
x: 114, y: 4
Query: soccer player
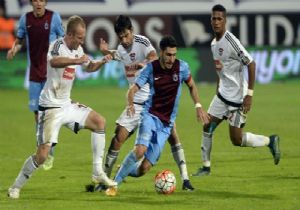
x: 233, y: 99
x: 56, y: 108
x: 135, y: 51
x: 39, y: 27
x: 165, y: 77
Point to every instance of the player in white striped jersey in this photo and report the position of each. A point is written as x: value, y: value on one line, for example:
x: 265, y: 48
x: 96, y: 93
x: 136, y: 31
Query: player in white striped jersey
x: 233, y: 99
x: 56, y: 108
x: 134, y: 51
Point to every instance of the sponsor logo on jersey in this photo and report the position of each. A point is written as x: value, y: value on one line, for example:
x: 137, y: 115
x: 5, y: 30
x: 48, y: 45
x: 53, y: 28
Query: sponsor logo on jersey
x: 69, y: 73
x: 219, y: 65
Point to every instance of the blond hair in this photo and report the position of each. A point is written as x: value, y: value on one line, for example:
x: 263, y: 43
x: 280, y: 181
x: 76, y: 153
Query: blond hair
x: 73, y: 22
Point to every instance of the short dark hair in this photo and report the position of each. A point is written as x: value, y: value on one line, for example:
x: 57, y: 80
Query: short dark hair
x: 219, y: 8
x: 122, y: 23
x: 167, y: 41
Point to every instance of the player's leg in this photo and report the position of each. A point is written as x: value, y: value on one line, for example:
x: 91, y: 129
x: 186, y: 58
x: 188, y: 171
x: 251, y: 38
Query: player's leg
x: 125, y: 128
x: 121, y: 135
x: 35, y: 89
x: 217, y: 110
x: 179, y: 157
x: 47, y: 133
x: 96, y: 123
x: 237, y: 121
x: 247, y: 139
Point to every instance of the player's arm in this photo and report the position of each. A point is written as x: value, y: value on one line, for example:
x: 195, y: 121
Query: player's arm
x: 130, y: 96
x: 150, y: 57
x: 247, y: 102
x: 14, y: 49
x: 200, y: 112
x: 61, y: 62
x: 95, y: 65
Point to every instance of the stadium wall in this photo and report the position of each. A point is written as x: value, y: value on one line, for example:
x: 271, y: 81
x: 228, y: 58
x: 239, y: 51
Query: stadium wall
x: 271, y: 32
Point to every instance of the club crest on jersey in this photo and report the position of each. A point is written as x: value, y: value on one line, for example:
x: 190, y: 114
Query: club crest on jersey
x: 221, y: 50
x: 132, y: 56
x: 175, y: 77
x: 46, y: 26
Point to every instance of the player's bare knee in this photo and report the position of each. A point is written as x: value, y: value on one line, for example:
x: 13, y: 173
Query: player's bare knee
x: 99, y: 122
x: 236, y: 141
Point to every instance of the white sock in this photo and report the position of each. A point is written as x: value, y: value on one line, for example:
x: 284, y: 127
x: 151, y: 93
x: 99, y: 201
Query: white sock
x: 253, y: 140
x: 98, y: 146
x: 206, y: 148
x: 27, y: 170
x: 178, y: 155
x: 110, y: 160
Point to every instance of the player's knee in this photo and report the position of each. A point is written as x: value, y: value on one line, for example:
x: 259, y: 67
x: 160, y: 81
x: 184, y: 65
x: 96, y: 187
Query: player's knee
x: 210, y: 128
x: 236, y: 141
x: 40, y: 158
x: 144, y: 167
x: 99, y: 122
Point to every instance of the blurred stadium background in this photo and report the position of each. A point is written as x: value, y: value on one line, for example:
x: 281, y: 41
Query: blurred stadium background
x: 270, y: 29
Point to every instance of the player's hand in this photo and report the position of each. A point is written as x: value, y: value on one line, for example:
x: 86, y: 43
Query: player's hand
x: 103, y: 45
x: 83, y: 59
x: 10, y: 54
x: 130, y: 110
x: 202, y: 115
x: 107, y: 58
x: 247, y: 104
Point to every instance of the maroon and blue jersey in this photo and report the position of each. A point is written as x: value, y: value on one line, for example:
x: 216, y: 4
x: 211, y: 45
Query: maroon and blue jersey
x: 165, y: 88
x: 39, y: 33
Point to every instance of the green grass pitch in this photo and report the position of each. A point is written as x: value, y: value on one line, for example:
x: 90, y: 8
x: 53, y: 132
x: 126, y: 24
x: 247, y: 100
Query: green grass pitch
x: 241, y: 178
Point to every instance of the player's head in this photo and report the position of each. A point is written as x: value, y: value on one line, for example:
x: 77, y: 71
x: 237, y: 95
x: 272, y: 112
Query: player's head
x: 218, y: 19
x: 38, y: 7
x: 75, y: 33
x: 168, y: 51
x: 124, y: 30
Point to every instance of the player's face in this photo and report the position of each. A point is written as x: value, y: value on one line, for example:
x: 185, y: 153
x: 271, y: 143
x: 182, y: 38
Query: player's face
x: 126, y: 38
x: 167, y: 57
x: 38, y: 7
x: 218, y: 22
x: 77, y: 38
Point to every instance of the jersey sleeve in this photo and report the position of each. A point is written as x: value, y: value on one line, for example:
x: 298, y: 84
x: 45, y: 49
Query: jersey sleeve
x: 148, y: 48
x: 239, y: 51
x: 185, y: 71
x: 57, y: 23
x: 144, y: 76
x: 21, y: 31
x: 56, y: 49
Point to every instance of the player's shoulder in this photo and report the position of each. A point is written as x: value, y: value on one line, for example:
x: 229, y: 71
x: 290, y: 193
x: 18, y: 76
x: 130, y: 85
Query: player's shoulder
x: 183, y: 64
x: 231, y: 38
x: 140, y: 39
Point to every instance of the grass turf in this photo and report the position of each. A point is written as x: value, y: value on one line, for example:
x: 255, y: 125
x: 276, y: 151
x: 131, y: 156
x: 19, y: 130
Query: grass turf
x: 241, y: 178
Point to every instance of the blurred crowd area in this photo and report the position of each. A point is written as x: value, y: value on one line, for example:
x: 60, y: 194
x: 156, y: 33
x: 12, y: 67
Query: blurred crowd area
x: 7, y: 28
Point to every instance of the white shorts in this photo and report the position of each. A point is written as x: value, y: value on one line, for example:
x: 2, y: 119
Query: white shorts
x: 130, y: 123
x: 234, y: 115
x: 73, y: 116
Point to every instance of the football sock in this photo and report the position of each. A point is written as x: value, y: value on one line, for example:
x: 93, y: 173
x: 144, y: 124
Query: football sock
x: 27, y: 170
x: 206, y: 146
x: 178, y: 155
x: 110, y: 160
x: 253, y: 140
x: 51, y: 152
x: 98, y: 146
x: 128, y: 166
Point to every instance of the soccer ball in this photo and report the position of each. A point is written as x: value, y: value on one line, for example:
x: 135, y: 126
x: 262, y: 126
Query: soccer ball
x: 165, y: 182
